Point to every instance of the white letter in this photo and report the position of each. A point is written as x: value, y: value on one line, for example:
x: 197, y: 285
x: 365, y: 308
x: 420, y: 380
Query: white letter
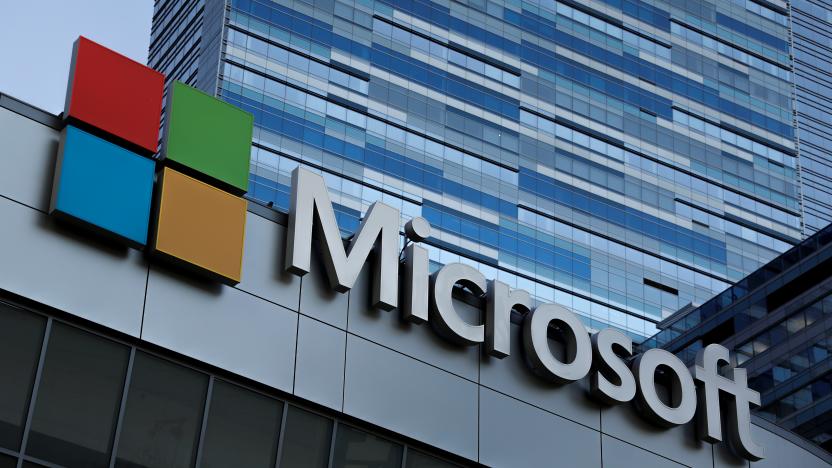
x: 379, y: 226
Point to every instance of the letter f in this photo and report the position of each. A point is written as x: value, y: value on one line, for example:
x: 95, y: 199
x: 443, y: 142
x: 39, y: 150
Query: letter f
x: 709, y: 385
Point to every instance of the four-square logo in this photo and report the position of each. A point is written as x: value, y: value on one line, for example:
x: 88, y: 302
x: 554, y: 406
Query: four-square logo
x: 185, y: 206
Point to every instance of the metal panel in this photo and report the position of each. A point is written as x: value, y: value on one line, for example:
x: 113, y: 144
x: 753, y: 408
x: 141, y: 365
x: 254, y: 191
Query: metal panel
x: 27, y: 161
x: 781, y: 453
x: 513, y: 434
x: 70, y: 271
x: 513, y: 377
x: 115, y: 94
x: 679, y: 443
x: 221, y: 326
x: 319, y: 371
x: 200, y: 226
x: 410, y: 397
x: 618, y: 454
x: 723, y: 458
x: 319, y: 300
x: 416, y: 340
x: 263, y: 273
x: 103, y: 186
x: 208, y: 136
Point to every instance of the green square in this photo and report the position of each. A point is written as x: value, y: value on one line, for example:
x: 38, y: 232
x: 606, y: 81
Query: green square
x: 208, y: 136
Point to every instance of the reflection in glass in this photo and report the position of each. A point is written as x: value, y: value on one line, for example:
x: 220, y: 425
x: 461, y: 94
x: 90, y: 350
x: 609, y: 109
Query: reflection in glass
x: 78, y: 398
x: 242, y: 430
x: 21, y: 337
x: 163, y: 415
x: 306, y: 441
x: 422, y: 460
x: 358, y: 449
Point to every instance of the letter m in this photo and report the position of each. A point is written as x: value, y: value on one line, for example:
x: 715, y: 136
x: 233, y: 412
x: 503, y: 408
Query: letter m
x: 311, y: 210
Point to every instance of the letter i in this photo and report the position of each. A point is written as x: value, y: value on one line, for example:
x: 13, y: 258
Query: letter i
x: 416, y: 274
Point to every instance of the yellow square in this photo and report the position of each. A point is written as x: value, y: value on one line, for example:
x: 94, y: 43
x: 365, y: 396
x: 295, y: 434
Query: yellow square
x: 201, y: 226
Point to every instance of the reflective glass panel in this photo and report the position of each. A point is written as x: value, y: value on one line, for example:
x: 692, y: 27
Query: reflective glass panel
x: 417, y: 459
x: 306, y: 441
x: 243, y: 428
x: 163, y: 415
x: 358, y: 449
x: 78, y: 398
x: 21, y: 336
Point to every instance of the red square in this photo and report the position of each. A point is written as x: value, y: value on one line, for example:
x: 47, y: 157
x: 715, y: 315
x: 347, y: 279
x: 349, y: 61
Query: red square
x: 114, y: 94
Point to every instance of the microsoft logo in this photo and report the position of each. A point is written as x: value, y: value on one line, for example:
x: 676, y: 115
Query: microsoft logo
x: 185, y: 206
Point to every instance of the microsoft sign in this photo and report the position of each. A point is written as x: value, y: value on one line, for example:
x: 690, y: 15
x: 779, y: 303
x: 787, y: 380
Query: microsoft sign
x: 709, y: 389
x: 106, y: 177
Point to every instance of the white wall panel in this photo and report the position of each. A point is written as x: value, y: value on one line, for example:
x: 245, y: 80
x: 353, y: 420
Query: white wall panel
x: 222, y: 326
x: 71, y: 271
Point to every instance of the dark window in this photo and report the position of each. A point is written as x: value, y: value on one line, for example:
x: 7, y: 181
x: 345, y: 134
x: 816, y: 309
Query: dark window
x: 243, y: 428
x: 358, y: 449
x: 7, y: 462
x: 21, y: 337
x: 78, y: 398
x: 306, y: 441
x: 163, y: 415
x: 422, y: 460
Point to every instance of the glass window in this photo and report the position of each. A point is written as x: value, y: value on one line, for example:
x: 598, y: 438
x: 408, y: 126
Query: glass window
x: 421, y: 460
x: 163, y: 415
x: 306, y: 440
x: 21, y: 337
x: 358, y: 449
x: 243, y: 428
x: 7, y: 462
x: 78, y: 398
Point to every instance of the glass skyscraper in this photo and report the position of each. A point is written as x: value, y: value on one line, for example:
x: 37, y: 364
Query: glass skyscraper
x: 777, y: 322
x: 624, y: 158
x: 812, y: 49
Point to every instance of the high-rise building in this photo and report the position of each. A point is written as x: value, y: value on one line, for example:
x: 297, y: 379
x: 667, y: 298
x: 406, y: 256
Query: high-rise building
x: 623, y: 158
x: 812, y: 49
x: 777, y: 322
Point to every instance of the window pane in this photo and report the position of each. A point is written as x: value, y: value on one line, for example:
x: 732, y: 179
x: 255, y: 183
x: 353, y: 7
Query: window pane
x: 7, y: 462
x: 306, y: 441
x: 163, y: 415
x: 21, y: 336
x: 358, y: 449
x: 420, y: 460
x: 243, y: 428
x: 78, y: 398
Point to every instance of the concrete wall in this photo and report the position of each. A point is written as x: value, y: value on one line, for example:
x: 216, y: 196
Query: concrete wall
x: 299, y: 337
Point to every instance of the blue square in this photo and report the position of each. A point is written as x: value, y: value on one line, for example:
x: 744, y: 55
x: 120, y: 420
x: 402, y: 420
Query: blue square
x: 103, y: 185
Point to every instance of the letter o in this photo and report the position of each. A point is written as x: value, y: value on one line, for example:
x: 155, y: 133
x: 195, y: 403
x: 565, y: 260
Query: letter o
x: 683, y: 391
x: 536, y: 344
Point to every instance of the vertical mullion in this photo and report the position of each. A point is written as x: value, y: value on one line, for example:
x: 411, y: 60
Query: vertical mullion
x: 404, y: 456
x: 332, y: 443
x: 207, y: 407
x: 281, y: 433
x: 122, y: 406
x: 38, y: 374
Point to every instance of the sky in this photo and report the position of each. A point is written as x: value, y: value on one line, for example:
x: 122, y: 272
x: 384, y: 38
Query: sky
x: 37, y: 36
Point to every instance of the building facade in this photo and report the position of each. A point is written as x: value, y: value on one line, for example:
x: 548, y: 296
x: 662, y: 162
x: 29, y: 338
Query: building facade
x: 776, y: 321
x: 114, y: 358
x: 624, y: 159
x: 812, y: 49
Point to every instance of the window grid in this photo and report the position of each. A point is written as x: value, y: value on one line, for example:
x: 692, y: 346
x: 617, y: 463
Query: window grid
x: 22, y: 459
